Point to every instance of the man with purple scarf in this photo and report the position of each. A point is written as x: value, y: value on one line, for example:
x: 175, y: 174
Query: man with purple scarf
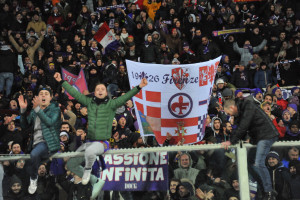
x: 208, y: 50
x: 247, y: 51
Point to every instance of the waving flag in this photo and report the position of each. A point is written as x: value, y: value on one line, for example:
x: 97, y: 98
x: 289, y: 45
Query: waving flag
x: 139, y: 4
x: 106, y: 38
x: 77, y: 81
x: 175, y: 100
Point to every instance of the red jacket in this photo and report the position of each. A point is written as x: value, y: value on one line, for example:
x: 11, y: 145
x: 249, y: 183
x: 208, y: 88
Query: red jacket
x: 282, y: 104
x: 281, y: 130
x: 52, y: 19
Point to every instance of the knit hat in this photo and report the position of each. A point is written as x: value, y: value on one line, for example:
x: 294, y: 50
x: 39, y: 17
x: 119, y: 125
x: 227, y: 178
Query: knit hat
x: 275, y: 89
x: 51, y: 64
x: 220, y: 80
x: 131, y: 44
x: 293, y: 89
x: 227, y: 92
x: 294, y: 106
x: 286, y: 110
x: 64, y: 133
x: 257, y: 90
x: 119, y: 117
x: 223, y: 57
x: 14, y: 179
x: 237, y: 91
x: 41, y: 49
x: 45, y: 88
x: 294, y: 100
x: 94, y: 13
x: 213, y: 102
x: 294, y: 122
x: 185, y: 44
x: 155, y: 32
x: 273, y: 154
x: 234, y: 177
x: 294, y: 163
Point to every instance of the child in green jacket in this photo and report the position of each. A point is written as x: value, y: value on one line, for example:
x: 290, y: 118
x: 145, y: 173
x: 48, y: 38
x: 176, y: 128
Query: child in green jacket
x: 101, y: 112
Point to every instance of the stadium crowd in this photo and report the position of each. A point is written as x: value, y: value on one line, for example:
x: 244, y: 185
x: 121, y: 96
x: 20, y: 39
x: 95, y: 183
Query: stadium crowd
x: 39, y: 38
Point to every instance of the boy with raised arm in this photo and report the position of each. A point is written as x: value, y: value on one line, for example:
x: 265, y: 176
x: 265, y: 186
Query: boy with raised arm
x: 101, y: 112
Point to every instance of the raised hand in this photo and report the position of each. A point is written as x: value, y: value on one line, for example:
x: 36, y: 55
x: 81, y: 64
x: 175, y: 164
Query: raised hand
x: 22, y: 102
x: 169, y: 136
x: 35, y: 102
x: 57, y: 77
x: 143, y: 83
x: 7, y: 120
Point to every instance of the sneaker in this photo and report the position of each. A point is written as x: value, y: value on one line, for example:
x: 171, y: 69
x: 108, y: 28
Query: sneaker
x: 97, y: 187
x: 86, y: 176
x: 33, y: 186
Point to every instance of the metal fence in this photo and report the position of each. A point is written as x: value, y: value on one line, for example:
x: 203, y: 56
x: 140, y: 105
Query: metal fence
x: 241, y: 154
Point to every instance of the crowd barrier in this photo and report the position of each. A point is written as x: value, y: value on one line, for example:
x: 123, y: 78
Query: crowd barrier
x: 241, y: 154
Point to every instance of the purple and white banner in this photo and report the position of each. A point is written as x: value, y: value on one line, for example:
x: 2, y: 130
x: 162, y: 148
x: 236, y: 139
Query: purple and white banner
x: 136, y: 172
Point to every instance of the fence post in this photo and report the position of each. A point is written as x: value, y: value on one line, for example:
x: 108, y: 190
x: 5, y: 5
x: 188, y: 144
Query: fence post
x: 243, y: 172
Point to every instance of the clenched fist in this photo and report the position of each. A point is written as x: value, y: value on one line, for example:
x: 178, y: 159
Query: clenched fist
x: 57, y: 77
x: 143, y: 83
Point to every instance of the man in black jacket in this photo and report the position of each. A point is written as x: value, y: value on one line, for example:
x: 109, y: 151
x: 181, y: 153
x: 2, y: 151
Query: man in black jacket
x: 252, y: 119
x: 279, y: 175
x: 208, y: 50
x: 149, y: 52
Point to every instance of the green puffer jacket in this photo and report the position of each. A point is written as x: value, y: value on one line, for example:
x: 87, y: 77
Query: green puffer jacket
x: 100, y: 117
x: 50, y: 123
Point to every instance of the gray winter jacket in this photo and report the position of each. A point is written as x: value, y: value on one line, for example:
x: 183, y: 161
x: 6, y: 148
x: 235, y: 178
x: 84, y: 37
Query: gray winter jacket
x: 246, y: 55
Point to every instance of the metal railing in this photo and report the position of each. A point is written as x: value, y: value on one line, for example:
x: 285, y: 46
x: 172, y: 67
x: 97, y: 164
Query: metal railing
x: 241, y: 153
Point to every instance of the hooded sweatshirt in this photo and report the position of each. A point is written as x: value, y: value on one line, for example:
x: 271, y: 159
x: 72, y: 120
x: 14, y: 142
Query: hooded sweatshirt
x: 189, y: 173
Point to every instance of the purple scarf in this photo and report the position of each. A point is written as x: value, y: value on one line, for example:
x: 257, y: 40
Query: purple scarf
x: 249, y: 47
x: 206, y: 50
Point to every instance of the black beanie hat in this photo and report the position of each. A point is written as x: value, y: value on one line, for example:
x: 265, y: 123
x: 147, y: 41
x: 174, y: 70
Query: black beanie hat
x: 14, y: 179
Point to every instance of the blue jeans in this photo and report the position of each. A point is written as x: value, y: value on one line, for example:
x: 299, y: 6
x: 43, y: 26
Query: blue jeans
x: 262, y: 150
x: 38, y: 153
x: 7, y: 79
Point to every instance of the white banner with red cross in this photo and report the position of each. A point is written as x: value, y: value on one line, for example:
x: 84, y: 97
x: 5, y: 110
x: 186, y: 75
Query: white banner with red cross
x: 175, y: 100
